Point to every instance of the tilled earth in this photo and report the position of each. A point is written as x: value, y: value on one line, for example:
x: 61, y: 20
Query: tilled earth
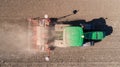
x: 14, y: 39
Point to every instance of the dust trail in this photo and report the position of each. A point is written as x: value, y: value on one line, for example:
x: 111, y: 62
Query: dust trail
x: 13, y: 37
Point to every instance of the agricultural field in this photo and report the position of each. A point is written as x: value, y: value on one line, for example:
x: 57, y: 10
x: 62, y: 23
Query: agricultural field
x: 14, y: 40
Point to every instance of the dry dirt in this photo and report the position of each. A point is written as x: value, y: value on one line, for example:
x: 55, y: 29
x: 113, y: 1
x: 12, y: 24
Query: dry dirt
x: 14, y: 45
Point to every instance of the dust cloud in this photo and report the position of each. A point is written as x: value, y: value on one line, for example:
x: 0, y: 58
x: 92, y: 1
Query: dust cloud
x: 14, y: 37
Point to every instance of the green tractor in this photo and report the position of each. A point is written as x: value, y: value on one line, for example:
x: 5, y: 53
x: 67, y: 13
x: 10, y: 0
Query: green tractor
x: 75, y: 36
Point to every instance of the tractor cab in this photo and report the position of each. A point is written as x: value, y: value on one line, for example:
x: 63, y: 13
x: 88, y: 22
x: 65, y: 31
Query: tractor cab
x: 97, y: 35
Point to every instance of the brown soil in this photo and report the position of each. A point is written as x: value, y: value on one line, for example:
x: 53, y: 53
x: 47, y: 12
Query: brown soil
x: 14, y: 45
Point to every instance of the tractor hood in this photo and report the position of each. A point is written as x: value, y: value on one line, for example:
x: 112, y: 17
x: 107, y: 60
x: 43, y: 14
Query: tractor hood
x: 73, y: 36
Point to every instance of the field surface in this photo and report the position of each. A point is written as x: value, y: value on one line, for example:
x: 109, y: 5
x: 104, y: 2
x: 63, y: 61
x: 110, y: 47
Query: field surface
x: 14, y: 45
